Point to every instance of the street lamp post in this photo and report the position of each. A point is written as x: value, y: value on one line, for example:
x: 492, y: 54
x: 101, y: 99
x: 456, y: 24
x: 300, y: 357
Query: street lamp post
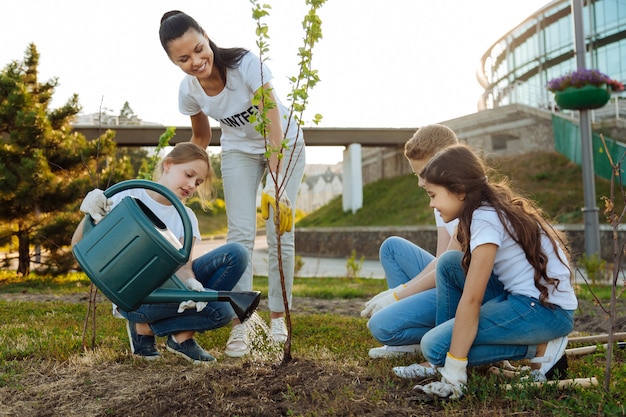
x: 590, y: 211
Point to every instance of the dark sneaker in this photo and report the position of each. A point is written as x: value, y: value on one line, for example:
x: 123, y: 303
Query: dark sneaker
x: 189, y: 350
x: 141, y: 345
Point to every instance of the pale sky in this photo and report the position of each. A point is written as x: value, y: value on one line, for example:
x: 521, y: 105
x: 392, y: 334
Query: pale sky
x: 382, y: 63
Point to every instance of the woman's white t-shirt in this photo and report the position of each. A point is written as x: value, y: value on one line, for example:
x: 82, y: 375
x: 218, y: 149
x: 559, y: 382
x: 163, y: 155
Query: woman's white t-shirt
x: 511, y: 265
x: 232, y: 107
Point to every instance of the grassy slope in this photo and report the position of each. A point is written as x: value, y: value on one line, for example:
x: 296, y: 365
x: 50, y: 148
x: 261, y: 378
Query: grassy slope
x: 549, y: 179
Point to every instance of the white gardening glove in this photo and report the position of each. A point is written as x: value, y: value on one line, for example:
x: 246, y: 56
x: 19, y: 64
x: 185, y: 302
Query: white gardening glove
x: 189, y: 304
x: 453, y: 379
x: 193, y: 284
x: 380, y: 301
x: 268, y: 198
x: 96, y: 204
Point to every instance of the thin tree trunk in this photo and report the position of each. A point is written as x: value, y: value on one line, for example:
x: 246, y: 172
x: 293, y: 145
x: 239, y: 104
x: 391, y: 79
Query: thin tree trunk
x: 612, y: 314
x: 287, y: 347
x: 23, y: 250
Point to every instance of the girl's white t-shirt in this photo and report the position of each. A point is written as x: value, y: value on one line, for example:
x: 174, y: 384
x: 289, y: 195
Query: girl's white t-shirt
x: 166, y: 213
x: 511, y: 265
x: 232, y: 107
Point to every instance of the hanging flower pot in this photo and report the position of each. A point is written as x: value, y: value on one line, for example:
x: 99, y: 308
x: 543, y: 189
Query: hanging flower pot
x: 583, y: 89
x: 586, y: 97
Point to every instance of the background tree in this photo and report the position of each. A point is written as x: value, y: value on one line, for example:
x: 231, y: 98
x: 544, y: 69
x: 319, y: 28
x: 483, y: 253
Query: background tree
x: 127, y: 116
x: 45, y: 167
x: 216, y: 164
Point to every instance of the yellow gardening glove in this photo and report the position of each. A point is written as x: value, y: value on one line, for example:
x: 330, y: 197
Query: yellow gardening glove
x: 284, y: 205
x: 286, y: 214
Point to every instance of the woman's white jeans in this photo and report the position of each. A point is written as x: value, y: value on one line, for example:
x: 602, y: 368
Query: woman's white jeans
x: 242, y: 174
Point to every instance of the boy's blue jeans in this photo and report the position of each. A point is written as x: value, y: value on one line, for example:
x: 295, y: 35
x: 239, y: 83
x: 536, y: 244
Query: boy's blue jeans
x: 510, y: 326
x: 406, y: 321
x: 219, y: 270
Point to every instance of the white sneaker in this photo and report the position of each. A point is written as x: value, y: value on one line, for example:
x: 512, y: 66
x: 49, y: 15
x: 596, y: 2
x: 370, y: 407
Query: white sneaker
x: 393, y: 351
x: 278, y: 330
x: 237, y: 345
x: 553, y: 362
x: 414, y: 371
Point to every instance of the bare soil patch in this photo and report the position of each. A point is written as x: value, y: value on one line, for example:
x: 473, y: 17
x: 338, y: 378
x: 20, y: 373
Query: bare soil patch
x: 93, y: 386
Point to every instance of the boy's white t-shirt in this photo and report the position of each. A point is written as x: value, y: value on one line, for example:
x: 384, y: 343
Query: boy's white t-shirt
x: 232, y: 107
x: 450, y: 226
x: 511, y: 265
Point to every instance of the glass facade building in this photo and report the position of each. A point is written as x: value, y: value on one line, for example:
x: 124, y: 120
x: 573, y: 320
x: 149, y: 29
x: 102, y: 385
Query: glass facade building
x: 516, y: 68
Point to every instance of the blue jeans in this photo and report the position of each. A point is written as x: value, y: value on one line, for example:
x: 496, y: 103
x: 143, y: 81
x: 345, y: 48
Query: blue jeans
x: 242, y: 174
x: 219, y: 270
x: 510, y: 326
x: 404, y: 322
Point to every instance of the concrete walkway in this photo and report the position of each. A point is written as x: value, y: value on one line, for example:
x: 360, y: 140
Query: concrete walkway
x: 313, y: 266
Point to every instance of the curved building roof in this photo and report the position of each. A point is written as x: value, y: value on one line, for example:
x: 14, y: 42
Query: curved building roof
x: 516, y: 68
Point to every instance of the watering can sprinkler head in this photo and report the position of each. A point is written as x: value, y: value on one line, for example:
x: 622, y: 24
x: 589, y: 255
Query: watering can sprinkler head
x: 243, y: 303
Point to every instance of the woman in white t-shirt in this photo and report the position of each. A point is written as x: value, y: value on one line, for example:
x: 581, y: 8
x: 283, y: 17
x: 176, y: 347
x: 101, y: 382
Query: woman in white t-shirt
x: 505, y: 236
x: 221, y: 83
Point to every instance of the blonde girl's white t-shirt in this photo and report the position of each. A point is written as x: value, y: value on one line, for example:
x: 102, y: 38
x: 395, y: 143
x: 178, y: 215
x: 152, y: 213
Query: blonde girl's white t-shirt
x: 232, y: 107
x: 166, y: 213
x: 511, y: 265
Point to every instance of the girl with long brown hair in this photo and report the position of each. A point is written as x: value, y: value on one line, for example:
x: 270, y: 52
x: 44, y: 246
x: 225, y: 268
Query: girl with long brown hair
x: 530, y: 313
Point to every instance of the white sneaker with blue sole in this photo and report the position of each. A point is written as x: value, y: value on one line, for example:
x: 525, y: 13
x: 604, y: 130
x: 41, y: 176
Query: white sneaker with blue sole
x: 393, y: 351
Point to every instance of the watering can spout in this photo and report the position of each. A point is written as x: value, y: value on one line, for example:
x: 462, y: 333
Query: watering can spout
x: 243, y: 303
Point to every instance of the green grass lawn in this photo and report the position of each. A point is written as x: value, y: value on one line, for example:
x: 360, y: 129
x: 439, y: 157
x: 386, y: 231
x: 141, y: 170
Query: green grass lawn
x: 35, y: 332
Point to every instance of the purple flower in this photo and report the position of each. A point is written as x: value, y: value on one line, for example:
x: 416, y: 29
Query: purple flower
x: 583, y: 77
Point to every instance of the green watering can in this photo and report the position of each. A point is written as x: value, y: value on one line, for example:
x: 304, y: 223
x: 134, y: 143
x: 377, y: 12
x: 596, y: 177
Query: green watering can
x: 131, y: 256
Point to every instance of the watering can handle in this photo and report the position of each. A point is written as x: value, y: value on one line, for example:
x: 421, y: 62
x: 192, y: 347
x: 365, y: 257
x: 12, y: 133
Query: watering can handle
x: 170, y: 196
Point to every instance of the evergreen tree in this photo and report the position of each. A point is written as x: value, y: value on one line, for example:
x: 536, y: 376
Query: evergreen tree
x: 127, y: 116
x: 45, y: 167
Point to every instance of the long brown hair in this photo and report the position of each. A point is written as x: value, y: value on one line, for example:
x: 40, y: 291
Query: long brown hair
x: 458, y: 169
